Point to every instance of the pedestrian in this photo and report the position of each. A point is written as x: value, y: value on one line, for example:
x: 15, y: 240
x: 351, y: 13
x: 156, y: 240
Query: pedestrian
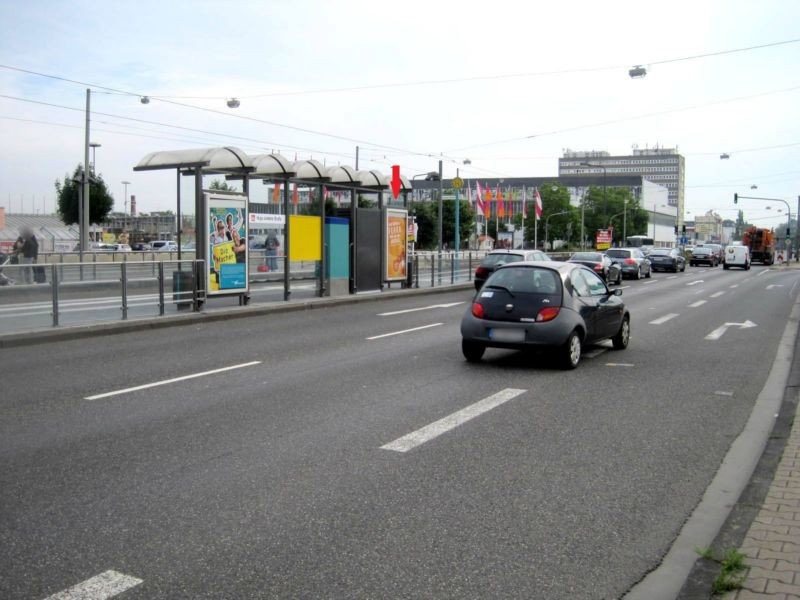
x: 272, y: 245
x: 27, y: 249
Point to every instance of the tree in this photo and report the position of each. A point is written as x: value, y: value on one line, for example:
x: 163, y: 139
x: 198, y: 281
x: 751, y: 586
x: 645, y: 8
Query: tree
x: 427, y: 222
x: 466, y: 221
x: 555, y: 199
x: 68, y: 192
x: 222, y: 185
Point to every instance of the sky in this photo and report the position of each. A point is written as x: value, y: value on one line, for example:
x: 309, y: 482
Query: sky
x: 507, y: 85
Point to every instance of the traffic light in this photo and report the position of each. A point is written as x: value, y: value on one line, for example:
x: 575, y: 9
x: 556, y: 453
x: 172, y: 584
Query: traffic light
x: 684, y: 229
x: 676, y: 230
x: 735, y: 198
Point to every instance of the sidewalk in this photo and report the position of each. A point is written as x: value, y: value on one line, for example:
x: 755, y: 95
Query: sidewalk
x: 772, y: 544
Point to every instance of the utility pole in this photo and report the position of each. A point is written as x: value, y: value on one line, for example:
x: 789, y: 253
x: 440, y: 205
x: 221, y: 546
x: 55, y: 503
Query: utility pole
x: 83, y: 207
x: 440, y: 206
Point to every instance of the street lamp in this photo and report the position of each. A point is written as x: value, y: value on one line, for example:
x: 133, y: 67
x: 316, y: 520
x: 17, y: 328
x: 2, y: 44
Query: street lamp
x: 547, y: 223
x: 125, y: 199
x: 94, y: 146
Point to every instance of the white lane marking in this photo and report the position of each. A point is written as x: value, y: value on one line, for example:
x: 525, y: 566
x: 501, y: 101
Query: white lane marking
x: 651, y: 281
x: 791, y: 292
x: 377, y: 337
x: 672, y: 277
x: 698, y: 303
x: 695, y: 282
x: 774, y: 285
x: 735, y: 285
x: 720, y: 393
x: 173, y: 380
x: 624, y: 287
x: 437, y: 428
x: 594, y: 353
x: 663, y: 319
x: 720, y: 331
x: 620, y: 365
x: 410, y: 310
x: 100, y: 587
x: 717, y: 294
x: 762, y: 272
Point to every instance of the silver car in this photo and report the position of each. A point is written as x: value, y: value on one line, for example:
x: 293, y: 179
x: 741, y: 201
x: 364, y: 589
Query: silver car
x: 633, y: 262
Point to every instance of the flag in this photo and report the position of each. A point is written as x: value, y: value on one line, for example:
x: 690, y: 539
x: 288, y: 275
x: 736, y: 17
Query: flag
x: 324, y: 192
x: 276, y: 193
x: 488, y: 203
x: 295, y: 196
x: 501, y: 209
x: 479, y: 206
x: 524, y: 203
x: 538, y: 204
x: 510, y: 203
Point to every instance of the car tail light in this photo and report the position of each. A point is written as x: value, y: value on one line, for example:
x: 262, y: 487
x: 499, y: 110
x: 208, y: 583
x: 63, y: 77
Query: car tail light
x: 598, y: 267
x: 547, y: 314
x: 481, y: 272
x: 477, y: 310
x: 630, y: 261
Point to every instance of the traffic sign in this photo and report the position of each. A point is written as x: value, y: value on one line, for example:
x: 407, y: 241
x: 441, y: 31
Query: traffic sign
x: 458, y: 183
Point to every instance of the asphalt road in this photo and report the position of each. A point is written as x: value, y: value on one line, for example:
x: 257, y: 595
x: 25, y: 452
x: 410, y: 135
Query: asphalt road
x: 271, y: 480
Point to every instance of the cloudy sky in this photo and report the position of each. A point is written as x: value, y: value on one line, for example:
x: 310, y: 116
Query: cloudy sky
x: 508, y: 85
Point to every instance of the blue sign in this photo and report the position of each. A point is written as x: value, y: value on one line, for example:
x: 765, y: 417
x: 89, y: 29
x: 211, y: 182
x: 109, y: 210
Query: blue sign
x: 232, y: 276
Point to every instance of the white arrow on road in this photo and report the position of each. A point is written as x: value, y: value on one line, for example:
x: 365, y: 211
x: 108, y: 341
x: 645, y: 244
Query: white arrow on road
x: 773, y: 285
x: 720, y: 331
x: 695, y: 282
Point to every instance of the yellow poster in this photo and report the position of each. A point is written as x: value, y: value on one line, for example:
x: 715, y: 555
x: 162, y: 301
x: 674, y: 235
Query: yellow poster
x: 396, y: 245
x: 223, y: 254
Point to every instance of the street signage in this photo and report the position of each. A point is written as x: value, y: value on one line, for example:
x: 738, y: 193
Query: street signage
x: 458, y: 183
x: 603, y: 239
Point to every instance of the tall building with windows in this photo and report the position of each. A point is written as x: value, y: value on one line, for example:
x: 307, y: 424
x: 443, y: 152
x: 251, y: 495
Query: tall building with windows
x: 663, y: 166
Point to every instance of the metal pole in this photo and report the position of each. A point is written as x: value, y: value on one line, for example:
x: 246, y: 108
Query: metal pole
x: 797, y: 233
x: 178, y: 173
x: 286, y: 290
x: 458, y: 215
x: 583, y: 209
x: 322, y: 263
x: 84, y: 225
x: 440, y: 207
x: 54, y: 284
x: 161, y: 288
x: 123, y: 267
x: 625, y: 222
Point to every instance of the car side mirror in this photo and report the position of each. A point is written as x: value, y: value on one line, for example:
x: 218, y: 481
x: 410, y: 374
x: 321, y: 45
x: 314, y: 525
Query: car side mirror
x: 617, y: 292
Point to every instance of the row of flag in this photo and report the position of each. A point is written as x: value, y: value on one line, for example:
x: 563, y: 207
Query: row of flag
x: 482, y: 198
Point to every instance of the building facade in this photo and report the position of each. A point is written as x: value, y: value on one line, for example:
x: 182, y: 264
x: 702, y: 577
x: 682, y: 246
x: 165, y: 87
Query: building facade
x: 663, y: 166
x: 708, y: 228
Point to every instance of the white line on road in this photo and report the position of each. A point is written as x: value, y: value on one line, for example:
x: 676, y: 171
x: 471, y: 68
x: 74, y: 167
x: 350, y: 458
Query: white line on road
x: 695, y: 282
x: 672, y: 277
x: 620, y: 365
x: 663, y: 319
x: 167, y: 381
x: 762, y: 272
x: 735, y: 285
x: 774, y: 285
x: 717, y: 294
x: 720, y: 331
x: 651, y: 281
x: 100, y: 587
x: 437, y: 428
x: 624, y: 287
x: 377, y: 337
x: 720, y: 393
x: 410, y: 310
x: 698, y: 303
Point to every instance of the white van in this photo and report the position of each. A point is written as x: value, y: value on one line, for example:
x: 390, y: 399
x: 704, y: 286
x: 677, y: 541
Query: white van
x: 737, y: 256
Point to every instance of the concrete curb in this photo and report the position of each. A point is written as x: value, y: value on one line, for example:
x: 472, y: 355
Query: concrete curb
x: 73, y: 332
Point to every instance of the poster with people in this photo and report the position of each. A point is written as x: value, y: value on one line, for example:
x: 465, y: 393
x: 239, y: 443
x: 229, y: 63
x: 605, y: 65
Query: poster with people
x: 227, y: 244
x: 396, y: 241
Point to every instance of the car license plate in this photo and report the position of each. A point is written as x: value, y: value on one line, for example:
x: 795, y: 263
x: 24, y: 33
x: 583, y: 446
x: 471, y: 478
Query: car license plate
x: 507, y: 335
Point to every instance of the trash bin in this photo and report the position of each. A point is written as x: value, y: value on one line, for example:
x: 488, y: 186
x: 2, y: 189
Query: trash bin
x: 182, y: 287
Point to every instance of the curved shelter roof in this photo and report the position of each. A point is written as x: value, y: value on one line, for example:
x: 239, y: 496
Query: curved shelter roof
x: 344, y: 175
x: 272, y: 166
x: 310, y: 170
x: 374, y: 180
x: 226, y: 159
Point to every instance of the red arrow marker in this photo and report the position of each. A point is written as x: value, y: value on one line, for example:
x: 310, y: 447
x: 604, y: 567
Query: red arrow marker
x: 396, y: 181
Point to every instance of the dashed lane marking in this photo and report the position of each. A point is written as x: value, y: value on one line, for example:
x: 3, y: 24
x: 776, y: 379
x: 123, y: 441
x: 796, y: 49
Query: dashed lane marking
x: 175, y: 379
x: 735, y: 285
x: 410, y: 310
x: 651, y: 281
x: 695, y: 282
x: 663, y: 319
x: 620, y: 365
x: 437, y: 428
x: 717, y: 294
x: 383, y: 335
x: 100, y: 587
x: 698, y: 303
x: 721, y: 393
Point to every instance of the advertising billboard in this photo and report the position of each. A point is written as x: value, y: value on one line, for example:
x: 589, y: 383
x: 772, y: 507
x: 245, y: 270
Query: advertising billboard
x: 603, y: 239
x: 227, y: 244
x: 395, y: 245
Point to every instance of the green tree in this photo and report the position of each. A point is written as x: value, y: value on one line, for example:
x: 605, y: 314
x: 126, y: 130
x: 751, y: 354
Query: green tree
x: 222, y: 185
x: 68, y: 192
x: 555, y: 199
x: 427, y: 223
x: 466, y: 222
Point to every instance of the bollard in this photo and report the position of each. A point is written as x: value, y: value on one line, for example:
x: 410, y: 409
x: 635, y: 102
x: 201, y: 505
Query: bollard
x: 433, y: 269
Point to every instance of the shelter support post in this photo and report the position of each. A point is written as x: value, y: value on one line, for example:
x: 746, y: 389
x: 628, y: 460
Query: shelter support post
x: 201, y: 226
x: 286, y: 290
x: 322, y: 262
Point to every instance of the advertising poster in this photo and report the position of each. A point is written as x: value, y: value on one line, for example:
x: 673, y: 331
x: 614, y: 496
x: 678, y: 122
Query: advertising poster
x: 396, y: 245
x: 227, y: 244
x: 603, y: 239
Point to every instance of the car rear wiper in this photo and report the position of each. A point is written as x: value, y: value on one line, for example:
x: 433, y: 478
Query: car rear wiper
x: 500, y: 287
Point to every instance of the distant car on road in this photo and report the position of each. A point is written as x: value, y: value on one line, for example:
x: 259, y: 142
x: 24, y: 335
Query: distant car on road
x: 498, y: 258
x: 703, y: 255
x: 633, y: 262
x: 164, y: 246
x: 667, y: 259
x: 140, y: 247
x: 119, y: 248
x: 601, y: 264
x: 737, y: 256
x: 718, y: 250
x: 560, y: 305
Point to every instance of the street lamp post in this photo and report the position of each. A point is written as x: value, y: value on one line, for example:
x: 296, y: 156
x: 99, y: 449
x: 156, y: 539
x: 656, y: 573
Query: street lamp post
x: 125, y: 199
x: 547, y: 223
x: 94, y: 146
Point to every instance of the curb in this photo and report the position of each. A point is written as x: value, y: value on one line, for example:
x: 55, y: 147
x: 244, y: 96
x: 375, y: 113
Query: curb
x: 74, y: 332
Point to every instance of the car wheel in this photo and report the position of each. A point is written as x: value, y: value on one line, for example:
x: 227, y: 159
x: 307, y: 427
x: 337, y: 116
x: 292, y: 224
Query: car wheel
x: 649, y: 274
x: 638, y: 274
x: 473, y: 351
x: 620, y: 340
x: 571, y: 351
x: 725, y: 267
x: 683, y: 268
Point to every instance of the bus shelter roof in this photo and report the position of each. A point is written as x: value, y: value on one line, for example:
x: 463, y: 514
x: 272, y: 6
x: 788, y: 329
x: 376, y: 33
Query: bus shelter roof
x: 373, y: 180
x: 226, y: 159
x: 310, y: 171
x: 272, y: 166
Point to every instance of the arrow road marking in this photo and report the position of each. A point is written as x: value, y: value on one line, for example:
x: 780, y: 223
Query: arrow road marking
x: 410, y: 310
x: 720, y: 331
x: 437, y: 428
x: 773, y: 285
x: 695, y: 282
x: 663, y: 319
x: 105, y: 585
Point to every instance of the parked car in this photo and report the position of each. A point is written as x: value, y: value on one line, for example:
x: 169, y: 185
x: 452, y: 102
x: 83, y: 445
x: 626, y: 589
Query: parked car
x: 164, y: 246
x: 140, y: 247
x: 737, y: 256
x: 633, y: 262
x: 601, y: 264
x: 119, y: 248
x: 498, y: 258
x: 703, y: 255
x: 667, y: 259
x: 560, y: 305
x: 718, y: 250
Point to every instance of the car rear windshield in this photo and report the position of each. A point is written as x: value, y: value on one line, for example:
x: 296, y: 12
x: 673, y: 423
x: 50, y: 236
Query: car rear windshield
x: 593, y: 256
x: 661, y: 252
x: 494, y: 260
x: 618, y: 253
x: 526, y: 280
x: 701, y: 251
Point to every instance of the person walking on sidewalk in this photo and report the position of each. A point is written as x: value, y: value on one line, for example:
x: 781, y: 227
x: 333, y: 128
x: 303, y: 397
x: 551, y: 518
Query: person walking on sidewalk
x: 27, y: 252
